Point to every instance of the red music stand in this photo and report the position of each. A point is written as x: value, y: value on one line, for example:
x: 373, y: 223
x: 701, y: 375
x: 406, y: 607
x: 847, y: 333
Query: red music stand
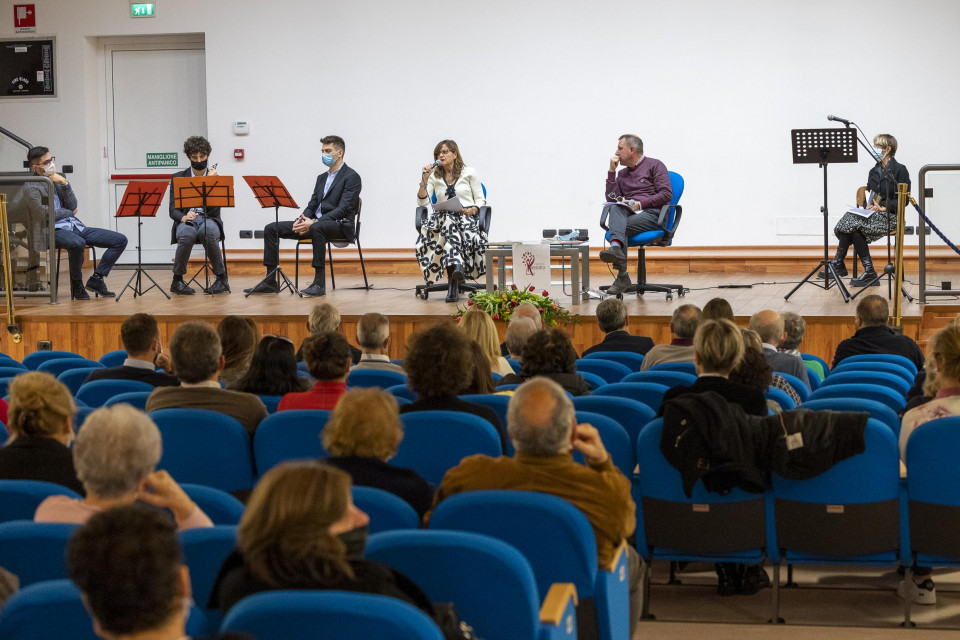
x: 200, y: 192
x: 270, y: 192
x: 141, y: 200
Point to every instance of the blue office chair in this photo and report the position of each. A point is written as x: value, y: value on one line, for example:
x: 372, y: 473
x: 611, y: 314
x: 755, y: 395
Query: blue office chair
x: 74, y: 378
x: 113, y: 358
x: 631, y: 414
x: 615, y: 439
x: 220, y: 506
x: 19, y: 499
x: 56, y: 366
x: 204, y: 551
x: 289, y: 435
x: 876, y: 365
x: 557, y: 540
x: 781, y: 397
x: 669, y: 221
x: 877, y: 378
x: 628, y: 359
x: 35, y: 551
x: 35, y: 359
x: 704, y: 527
x: 96, y: 393
x: 905, y: 362
x: 435, y: 441
x: 424, y: 290
x: 308, y: 615
x: 648, y: 393
x: 884, y: 395
x: 205, y: 447
x: 609, y: 370
x: 501, y: 581
x: 387, y: 511
x: 801, y: 389
x: 669, y: 379
x: 849, y: 514
x: 877, y: 410
x: 137, y: 399
x: 271, y: 402
x: 375, y: 378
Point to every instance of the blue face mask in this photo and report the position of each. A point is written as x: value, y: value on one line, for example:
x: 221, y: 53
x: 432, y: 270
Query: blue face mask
x: 327, y: 159
x: 877, y: 154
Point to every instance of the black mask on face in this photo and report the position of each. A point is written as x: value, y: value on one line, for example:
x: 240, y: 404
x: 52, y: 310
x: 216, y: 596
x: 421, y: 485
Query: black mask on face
x: 355, y: 541
x: 198, y: 166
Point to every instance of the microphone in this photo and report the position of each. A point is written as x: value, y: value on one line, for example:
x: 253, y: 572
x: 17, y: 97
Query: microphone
x: 436, y: 163
x: 837, y: 119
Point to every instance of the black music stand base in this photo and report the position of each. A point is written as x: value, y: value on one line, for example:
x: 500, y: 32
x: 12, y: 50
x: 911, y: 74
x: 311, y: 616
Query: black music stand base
x: 283, y: 282
x: 138, y: 289
x: 830, y: 273
x: 888, y: 271
x: 205, y: 269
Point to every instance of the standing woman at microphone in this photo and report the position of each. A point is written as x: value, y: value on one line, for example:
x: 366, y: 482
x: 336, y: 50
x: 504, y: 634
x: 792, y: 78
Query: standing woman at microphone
x: 451, y: 243
x: 862, y: 231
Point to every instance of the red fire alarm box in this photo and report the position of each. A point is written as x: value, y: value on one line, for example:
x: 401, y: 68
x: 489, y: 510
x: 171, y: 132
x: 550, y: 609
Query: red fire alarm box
x: 238, y: 154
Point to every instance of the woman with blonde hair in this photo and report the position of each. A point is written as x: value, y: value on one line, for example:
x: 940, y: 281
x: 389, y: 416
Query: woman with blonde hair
x: 451, y: 242
x: 301, y: 530
x: 40, y: 422
x: 479, y: 327
x: 362, y: 435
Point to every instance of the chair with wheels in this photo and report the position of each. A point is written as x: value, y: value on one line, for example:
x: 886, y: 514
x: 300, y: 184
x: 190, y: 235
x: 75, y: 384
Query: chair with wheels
x: 220, y: 506
x: 97, y: 392
x: 631, y: 360
x: 308, y: 615
x: 289, y: 435
x: 33, y: 360
x: 436, y: 441
x: 339, y: 243
x: 609, y: 370
x: 375, y: 378
x: 387, y: 511
x: 663, y: 237
x: 19, y: 499
x: 423, y: 291
x: 113, y: 358
x: 501, y: 581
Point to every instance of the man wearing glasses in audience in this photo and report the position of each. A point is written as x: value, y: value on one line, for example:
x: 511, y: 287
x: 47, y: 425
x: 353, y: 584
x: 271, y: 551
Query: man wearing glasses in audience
x: 636, y: 195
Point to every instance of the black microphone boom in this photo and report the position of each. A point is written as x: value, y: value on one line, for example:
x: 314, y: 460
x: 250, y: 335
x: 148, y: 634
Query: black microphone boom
x: 836, y: 119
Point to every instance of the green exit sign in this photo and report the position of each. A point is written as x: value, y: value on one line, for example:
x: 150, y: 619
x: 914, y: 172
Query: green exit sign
x: 142, y: 9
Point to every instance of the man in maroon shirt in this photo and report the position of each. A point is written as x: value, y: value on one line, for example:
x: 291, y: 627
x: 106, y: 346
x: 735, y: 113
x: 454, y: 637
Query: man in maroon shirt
x: 639, y: 191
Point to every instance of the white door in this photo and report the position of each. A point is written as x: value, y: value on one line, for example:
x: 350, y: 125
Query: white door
x: 155, y: 98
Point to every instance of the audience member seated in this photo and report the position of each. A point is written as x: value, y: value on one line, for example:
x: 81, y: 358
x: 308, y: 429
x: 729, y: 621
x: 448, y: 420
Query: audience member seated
x: 523, y: 310
x: 612, y: 319
x: 795, y: 326
x: 479, y: 327
x: 115, y: 453
x: 325, y: 318
x: 945, y: 348
x: 717, y: 309
x: 518, y: 330
x: 238, y: 340
x: 550, y: 354
x: 198, y: 361
x: 301, y: 530
x: 363, y: 433
x: 273, y: 369
x: 328, y: 361
x: 769, y: 325
x: 140, y: 336
x: 41, y: 430
x: 874, y: 336
x: 925, y: 385
x: 481, y: 380
x: 683, y: 325
x: 754, y: 371
x: 542, y: 425
x: 128, y: 566
x: 373, y: 335
x: 439, y: 368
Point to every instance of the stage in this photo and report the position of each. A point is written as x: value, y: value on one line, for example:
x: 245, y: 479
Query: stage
x: 92, y: 328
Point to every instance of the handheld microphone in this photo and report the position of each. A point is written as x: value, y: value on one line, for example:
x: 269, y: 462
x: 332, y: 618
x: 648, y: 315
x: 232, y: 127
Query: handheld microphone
x: 836, y: 119
x: 436, y: 163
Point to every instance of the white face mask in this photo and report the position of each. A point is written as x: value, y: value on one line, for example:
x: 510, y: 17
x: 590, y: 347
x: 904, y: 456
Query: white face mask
x: 50, y: 168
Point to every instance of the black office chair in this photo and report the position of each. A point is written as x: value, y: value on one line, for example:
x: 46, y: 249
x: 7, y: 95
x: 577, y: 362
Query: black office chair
x: 330, y: 244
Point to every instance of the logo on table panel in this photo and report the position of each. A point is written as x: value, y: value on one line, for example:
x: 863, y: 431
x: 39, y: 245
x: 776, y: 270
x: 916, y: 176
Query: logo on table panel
x: 530, y: 261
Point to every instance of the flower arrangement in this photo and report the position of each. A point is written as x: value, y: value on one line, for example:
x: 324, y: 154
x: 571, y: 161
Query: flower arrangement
x: 499, y: 305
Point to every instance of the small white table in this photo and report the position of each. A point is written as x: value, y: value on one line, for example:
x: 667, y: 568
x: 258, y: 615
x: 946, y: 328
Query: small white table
x: 578, y: 252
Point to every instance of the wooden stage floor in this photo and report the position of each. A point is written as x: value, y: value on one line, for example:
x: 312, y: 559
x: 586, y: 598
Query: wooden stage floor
x: 92, y: 328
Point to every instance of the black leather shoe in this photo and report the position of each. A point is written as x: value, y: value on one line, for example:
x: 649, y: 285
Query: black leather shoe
x: 754, y: 578
x: 315, y: 290
x: 267, y: 285
x: 179, y: 287
x: 614, y: 255
x: 619, y: 285
x: 728, y: 579
x: 220, y: 285
x: 97, y: 285
x: 77, y: 292
x: 839, y: 267
x: 866, y: 279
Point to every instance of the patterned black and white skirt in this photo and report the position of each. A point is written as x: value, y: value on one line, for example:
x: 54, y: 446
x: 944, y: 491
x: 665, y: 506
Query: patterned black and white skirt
x: 446, y: 240
x: 873, y: 228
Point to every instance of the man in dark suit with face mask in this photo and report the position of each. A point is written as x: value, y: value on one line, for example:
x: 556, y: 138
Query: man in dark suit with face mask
x: 330, y: 215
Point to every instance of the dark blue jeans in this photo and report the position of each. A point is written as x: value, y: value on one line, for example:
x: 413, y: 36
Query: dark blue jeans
x: 74, y: 243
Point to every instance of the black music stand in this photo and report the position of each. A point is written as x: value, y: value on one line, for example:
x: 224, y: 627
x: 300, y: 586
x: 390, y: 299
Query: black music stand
x: 824, y: 146
x: 201, y: 192
x: 141, y: 200
x: 270, y: 192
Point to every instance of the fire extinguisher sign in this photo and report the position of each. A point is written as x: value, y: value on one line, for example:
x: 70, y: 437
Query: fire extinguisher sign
x: 24, y: 18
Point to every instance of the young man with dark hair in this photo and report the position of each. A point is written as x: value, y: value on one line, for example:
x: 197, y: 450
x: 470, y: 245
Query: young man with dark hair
x: 70, y: 233
x: 194, y: 225
x: 141, y: 338
x: 330, y: 215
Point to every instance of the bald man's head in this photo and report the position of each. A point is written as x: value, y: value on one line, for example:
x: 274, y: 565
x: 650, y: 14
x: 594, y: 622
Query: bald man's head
x: 769, y: 325
x: 540, y: 418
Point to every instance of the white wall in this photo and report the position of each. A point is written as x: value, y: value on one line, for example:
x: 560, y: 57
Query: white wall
x: 536, y: 94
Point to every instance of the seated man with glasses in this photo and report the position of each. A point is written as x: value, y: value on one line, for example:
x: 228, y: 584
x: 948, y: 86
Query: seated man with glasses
x: 636, y: 195
x: 70, y: 233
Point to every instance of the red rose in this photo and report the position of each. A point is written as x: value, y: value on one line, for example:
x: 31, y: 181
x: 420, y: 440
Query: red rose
x: 531, y: 287
x: 545, y: 294
x: 541, y: 309
x: 514, y: 287
x: 496, y: 316
x: 469, y: 303
x: 513, y: 303
x: 458, y: 318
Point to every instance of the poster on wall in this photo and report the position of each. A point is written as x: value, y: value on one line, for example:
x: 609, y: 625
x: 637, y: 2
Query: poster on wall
x: 26, y: 69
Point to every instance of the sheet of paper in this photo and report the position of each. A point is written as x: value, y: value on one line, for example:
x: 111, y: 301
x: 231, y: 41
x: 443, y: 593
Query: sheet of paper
x: 453, y: 204
x: 863, y: 213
